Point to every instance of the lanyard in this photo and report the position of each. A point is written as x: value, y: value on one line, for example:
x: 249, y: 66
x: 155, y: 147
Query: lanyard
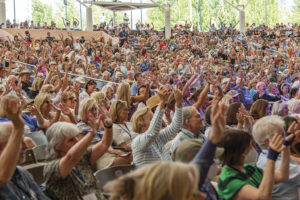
x: 79, y: 175
x: 126, y: 130
x: 186, y: 134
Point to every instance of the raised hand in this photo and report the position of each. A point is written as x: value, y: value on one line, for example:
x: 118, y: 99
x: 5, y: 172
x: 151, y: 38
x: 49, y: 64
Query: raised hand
x: 178, y: 98
x: 276, y: 143
x: 218, y: 122
x: 33, y: 110
x: 13, y: 110
x: 163, y: 94
x: 92, y: 122
x: 104, y: 115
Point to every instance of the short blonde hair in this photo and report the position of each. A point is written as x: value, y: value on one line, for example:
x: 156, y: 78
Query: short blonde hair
x: 167, y: 176
x: 123, y: 93
x: 85, y: 106
x: 115, y: 107
x: 65, y: 96
x: 37, y: 83
x: 46, y: 88
x: 40, y: 99
x: 54, y: 79
x: 99, y: 97
x: 138, y: 120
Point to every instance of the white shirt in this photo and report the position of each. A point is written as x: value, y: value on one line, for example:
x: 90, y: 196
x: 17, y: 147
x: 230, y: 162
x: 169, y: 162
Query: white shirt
x: 123, y: 133
x: 102, y: 19
x: 83, y: 95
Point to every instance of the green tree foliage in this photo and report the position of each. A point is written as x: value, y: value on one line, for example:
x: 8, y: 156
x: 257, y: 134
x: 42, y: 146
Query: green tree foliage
x: 295, y: 16
x: 41, y: 12
x: 72, y: 12
x: 217, y: 11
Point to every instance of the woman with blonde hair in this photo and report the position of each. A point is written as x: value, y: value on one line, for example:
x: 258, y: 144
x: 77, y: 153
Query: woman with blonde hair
x: 123, y: 93
x: 159, y: 181
x: 108, y: 92
x: 113, y: 157
x: 148, y: 146
x: 100, y: 98
x: 69, y: 102
x: 123, y: 134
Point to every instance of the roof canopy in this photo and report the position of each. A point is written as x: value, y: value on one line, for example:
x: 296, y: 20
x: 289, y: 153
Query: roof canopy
x: 122, y: 6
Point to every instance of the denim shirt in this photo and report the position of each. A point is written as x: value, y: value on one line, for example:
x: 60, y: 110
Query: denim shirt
x: 21, y: 187
x: 287, y: 190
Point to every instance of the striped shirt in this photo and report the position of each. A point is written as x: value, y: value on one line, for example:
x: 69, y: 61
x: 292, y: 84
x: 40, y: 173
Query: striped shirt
x: 149, y: 147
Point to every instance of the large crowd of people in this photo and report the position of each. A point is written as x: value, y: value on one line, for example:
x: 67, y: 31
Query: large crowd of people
x: 200, y: 115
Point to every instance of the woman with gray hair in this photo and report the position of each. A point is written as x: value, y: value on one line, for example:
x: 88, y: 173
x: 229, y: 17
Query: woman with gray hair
x: 69, y: 174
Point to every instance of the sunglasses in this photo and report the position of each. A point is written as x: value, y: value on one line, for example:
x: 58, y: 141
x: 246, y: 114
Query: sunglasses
x: 72, y: 99
x: 48, y: 101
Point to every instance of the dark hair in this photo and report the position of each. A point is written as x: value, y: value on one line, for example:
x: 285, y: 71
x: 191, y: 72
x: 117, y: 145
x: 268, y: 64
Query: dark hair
x: 288, y: 120
x: 293, y: 92
x: 137, y: 75
x: 231, y: 113
x: 90, y: 82
x: 207, y: 115
x: 259, y: 108
x: 234, y: 142
x: 143, y: 86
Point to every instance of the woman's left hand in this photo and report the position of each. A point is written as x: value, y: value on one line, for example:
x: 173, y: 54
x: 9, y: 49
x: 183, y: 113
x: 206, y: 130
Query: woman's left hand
x: 104, y: 115
x: 178, y: 98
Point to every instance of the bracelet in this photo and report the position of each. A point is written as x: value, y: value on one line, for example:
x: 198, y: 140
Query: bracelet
x: 288, y: 143
x: 108, y: 126
x: 272, y: 154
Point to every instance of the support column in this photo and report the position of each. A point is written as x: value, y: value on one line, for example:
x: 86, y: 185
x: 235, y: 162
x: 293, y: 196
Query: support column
x: 2, y: 13
x: 131, y: 25
x: 200, y: 14
x: 167, y: 23
x: 89, y: 18
x: 242, y: 21
x: 114, y: 17
x: 266, y: 13
x: 191, y: 14
x: 141, y: 13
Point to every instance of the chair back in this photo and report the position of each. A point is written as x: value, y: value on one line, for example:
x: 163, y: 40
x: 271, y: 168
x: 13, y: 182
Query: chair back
x: 29, y: 157
x: 40, y: 153
x: 103, y: 176
x: 37, y: 171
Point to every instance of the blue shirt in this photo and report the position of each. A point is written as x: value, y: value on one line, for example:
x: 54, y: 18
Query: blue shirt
x: 21, y: 187
x: 31, y: 122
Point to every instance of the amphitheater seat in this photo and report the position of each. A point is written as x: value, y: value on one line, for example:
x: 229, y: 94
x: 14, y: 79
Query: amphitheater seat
x: 103, y: 176
x: 36, y: 170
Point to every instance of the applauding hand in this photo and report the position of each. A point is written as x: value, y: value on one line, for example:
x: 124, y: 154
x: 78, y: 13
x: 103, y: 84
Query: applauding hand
x: 178, y: 98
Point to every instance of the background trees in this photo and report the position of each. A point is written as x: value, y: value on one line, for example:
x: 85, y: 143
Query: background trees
x: 216, y: 11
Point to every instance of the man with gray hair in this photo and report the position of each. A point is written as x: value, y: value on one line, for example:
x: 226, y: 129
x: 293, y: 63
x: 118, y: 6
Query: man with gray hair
x: 263, y: 131
x: 192, y: 125
x: 15, y: 181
